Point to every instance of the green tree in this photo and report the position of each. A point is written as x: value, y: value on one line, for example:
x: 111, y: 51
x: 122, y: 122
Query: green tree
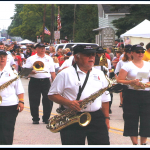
x: 138, y: 13
x: 32, y: 22
x: 87, y: 20
x: 67, y: 18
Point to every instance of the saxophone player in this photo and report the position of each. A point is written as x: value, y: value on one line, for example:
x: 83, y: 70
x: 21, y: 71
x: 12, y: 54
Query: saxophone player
x: 67, y: 90
x: 11, y: 100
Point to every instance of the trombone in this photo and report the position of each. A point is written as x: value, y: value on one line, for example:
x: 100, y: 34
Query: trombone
x: 38, y: 66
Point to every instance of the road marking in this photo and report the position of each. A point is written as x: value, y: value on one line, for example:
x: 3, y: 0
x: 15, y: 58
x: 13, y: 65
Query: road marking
x: 118, y: 131
x: 39, y: 110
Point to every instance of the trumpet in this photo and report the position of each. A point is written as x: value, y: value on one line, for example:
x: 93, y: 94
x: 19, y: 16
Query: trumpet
x: 38, y: 66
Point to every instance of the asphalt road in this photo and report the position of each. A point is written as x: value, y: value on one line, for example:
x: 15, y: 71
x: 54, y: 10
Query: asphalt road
x: 37, y: 135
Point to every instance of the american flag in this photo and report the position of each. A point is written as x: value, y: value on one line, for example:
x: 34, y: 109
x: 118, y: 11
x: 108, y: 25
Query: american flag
x: 46, y: 31
x: 127, y: 41
x: 58, y: 22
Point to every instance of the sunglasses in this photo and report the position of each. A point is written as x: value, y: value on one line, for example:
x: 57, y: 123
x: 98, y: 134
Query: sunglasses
x: 89, y: 54
x: 138, y: 52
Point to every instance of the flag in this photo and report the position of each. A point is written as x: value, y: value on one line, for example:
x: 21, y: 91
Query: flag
x: 58, y: 22
x: 46, y: 31
x: 127, y: 41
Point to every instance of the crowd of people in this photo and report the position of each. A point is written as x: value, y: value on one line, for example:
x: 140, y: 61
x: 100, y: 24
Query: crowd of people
x: 71, y: 76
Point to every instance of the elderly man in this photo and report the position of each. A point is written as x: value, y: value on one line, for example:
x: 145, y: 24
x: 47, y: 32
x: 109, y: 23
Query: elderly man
x: 109, y: 51
x: 68, y: 90
x: 40, y: 83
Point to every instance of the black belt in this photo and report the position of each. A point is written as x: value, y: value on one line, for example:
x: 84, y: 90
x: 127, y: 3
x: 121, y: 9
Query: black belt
x: 39, y: 79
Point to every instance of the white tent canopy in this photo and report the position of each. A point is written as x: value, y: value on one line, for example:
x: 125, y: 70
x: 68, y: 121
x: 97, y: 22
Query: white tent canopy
x: 26, y: 41
x: 141, y: 30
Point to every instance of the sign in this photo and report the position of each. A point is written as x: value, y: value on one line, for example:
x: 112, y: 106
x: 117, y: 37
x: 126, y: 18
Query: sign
x: 56, y: 34
x: 108, y: 37
x: 38, y: 40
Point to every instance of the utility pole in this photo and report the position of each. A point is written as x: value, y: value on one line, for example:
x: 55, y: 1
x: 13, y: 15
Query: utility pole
x: 58, y: 41
x: 74, y: 20
x: 52, y: 23
x: 44, y: 22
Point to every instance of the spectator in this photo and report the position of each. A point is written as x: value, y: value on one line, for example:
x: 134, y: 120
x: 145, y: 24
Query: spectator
x: 109, y: 51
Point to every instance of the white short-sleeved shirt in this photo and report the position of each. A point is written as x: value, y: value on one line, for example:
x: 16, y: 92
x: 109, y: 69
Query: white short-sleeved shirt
x: 67, y: 85
x: 67, y: 62
x: 133, y: 70
x: 109, y: 67
x: 10, y: 60
x: 9, y: 94
x: 48, y: 65
x: 119, y: 65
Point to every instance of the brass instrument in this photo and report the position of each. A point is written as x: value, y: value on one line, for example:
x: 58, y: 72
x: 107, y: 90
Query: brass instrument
x: 101, y: 61
x: 38, y: 66
x: 136, y: 87
x: 5, y: 85
x: 69, y: 116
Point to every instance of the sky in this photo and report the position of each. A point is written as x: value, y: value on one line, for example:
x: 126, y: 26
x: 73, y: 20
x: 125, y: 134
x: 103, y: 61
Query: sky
x: 7, y: 8
x: 6, y: 11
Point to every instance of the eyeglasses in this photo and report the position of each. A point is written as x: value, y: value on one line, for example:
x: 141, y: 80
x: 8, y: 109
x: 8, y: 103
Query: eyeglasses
x: 138, y: 52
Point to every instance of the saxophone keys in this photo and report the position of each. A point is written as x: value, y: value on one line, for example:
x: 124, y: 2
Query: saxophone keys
x: 0, y: 99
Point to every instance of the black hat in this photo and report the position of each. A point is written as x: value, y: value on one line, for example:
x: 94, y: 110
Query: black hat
x: 137, y: 47
x: 79, y: 48
x: 100, y: 50
x: 2, y: 52
x: 69, y: 54
x: 39, y: 45
x: 128, y: 48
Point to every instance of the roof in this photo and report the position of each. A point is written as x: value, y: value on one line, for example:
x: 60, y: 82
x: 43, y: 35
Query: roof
x: 107, y: 9
x: 141, y: 30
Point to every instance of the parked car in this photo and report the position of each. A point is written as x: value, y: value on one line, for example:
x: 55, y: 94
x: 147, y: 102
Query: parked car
x: 69, y: 45
x: 57, y: 46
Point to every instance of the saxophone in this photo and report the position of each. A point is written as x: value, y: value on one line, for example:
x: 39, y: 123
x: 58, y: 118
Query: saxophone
x: 69, y: 116
x: 5, y: 85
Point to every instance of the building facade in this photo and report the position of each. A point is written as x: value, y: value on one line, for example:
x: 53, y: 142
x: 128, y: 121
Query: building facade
x: 105, y: 18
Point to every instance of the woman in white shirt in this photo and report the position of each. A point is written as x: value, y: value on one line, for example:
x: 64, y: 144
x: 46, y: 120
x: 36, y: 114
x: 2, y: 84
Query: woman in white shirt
x: 136, y: 103
x: 11, y: 100
x: 126, y: 58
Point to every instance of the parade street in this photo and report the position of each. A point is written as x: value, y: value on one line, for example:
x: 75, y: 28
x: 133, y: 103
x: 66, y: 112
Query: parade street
x: 37, y: 135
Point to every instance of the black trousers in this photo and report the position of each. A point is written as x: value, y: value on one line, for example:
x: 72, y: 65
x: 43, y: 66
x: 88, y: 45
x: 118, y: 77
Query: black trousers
x: 8, y: 116
x: 136, y: 113
x: 96, y: 132
x: 35, y: 89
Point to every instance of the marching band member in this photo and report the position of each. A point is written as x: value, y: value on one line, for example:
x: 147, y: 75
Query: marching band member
x: 136, y: 103
x: 40, y: 83
x: 64, y: 91
x: 11, y: 100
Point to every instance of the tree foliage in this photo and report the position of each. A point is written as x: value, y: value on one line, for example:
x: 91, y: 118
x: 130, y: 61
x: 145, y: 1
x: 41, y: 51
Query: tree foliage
x: 138, y: 13
x: 67, y: 19
x: 28, y: 21
x: 87, y: 20
x: 32, y: 21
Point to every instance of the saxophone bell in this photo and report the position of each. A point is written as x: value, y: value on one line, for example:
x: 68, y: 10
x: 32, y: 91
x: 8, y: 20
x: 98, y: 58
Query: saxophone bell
x: 84, y: 119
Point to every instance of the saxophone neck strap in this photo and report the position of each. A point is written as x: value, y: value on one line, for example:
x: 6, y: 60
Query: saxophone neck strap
x: 85, y: 81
